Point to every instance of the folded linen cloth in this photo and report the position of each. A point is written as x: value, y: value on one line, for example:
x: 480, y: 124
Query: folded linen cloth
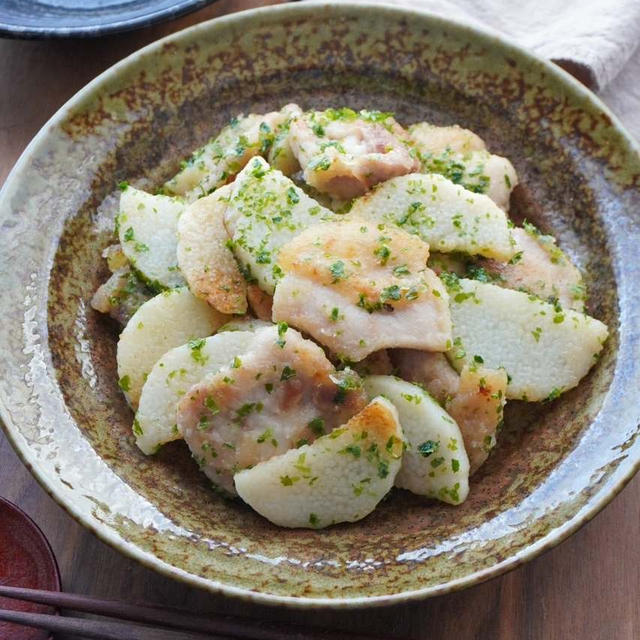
x: 592, y: 39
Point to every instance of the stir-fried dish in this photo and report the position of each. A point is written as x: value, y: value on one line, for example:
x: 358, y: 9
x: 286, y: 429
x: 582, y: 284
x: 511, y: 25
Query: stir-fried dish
x: 324, y: 305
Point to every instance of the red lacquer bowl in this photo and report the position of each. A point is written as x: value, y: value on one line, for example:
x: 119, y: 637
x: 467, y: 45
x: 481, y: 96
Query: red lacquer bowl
x: 26, y: 560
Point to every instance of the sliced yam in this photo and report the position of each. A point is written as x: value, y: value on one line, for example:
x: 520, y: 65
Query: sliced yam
x: 344, y: 153
x: 265, y: 211
x: 280, y: 393
x: 428, y: 369
x: 217, y: 162
x: 171, y: 378
x: 148, y: 232
x: 168, y: 320
x: 341, y: 477
x: 357, y: 288
x: 461, y: 156
x: 435, y: 463
x: 429, y: 137
x: 121, y: 295
x: 542, y: 268
x: 477, y: 407
x: 260, y: 302
x: 545, y: 351
x: 204, y: 256
x: 502, y: 177
x: 445, y: 215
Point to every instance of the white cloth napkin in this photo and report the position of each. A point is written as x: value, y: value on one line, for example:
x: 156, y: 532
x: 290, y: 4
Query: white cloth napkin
x: 593, y: 39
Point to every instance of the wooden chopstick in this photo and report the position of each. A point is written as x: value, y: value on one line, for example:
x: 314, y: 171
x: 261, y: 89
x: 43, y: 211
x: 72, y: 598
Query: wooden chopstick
x: 225, y: 626
x: 99, y: 629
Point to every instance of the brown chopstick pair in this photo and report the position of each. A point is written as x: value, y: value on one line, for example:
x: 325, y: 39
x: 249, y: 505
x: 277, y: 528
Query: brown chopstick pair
x: 166, y: 624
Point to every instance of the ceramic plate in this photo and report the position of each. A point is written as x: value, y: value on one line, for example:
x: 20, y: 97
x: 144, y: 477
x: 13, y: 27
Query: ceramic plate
x: 86, y: 18
x: 557, y: 464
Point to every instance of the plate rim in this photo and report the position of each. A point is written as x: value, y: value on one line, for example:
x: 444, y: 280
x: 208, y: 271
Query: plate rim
x: 598, y: 501
x: 180, y: 8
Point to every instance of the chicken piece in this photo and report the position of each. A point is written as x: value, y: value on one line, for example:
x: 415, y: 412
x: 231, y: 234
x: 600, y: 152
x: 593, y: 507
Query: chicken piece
x: 204, y: 258
x: 474, y: 399
x: 448, y: 263
x: 430, y: 370
x: 265, y: 211
x: 377, y: 363
x: 223, y: 157
x: 260, y: 302
x: 477, y: 407
x: 280, y: 394
x: 341, y: 477
x: 358, y: 287
x: 344, y: 153
x: 541, y: 268
x: 461, y: 156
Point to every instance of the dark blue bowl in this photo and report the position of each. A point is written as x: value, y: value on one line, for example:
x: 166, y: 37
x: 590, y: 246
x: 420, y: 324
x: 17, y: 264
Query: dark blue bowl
x: 86, y: 18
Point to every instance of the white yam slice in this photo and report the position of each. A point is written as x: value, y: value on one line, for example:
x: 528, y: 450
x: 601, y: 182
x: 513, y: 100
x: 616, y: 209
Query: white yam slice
x: 281, y: 393
x: 461, y: 156
x: 357, y: 288
x: 435, y: 463
x: 477, y: 407
x: 542, y: 268
x: 168, y: 320
x: 445, y: 215
x: 204, y: 257
x: 265, y: 211
x: 214, y: 164
x: 344, y: 153
x: 147, y: 228
x: 545, y: 351
x: 429, y: 137
x: 170, y: 379
x: 341, y: 477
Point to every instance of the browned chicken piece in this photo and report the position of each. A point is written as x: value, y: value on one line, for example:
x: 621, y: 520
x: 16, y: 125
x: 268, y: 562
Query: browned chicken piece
x: 204, y: 258
x: 260, y: 302
x: 344, y: 153
x: 377, y: 363
x: 280, y: 394
x: 357, y: 288
x: 477, y: 407
x: 540, y: 267
x: 430, y: 370
x: 474, y: 399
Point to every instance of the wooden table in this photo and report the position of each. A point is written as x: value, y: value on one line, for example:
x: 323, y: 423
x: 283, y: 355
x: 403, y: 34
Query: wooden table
x: 587, y: 588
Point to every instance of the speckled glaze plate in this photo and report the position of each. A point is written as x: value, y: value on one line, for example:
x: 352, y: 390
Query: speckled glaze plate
x: 557, y: 464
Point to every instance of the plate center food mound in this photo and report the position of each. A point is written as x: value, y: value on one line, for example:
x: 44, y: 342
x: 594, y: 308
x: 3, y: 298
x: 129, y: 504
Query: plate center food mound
x: 556, y: 462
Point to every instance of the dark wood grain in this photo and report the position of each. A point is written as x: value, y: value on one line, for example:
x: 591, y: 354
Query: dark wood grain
x: 587, y: 588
